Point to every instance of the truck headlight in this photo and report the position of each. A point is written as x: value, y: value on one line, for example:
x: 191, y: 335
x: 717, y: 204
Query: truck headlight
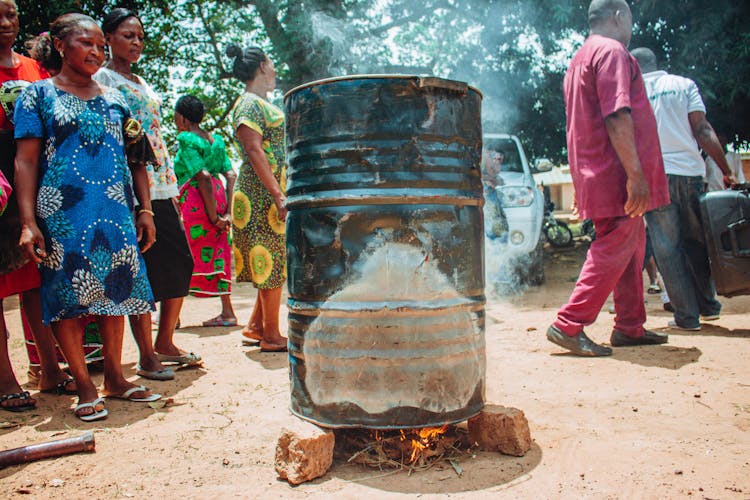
x: 516, y: 237
x: 515, y: 196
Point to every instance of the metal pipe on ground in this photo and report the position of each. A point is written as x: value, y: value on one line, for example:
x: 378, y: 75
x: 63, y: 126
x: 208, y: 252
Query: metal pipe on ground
x: 25, y: 454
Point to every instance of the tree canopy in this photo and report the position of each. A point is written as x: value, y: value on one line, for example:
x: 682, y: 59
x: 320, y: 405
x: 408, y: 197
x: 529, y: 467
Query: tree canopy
x: 514, y: 51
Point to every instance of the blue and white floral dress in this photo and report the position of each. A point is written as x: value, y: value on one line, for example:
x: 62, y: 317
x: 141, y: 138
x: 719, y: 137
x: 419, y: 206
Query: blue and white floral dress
x: 85, y: 204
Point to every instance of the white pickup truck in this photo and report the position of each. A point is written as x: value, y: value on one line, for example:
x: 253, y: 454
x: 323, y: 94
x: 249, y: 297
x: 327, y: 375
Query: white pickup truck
x: 523, y: 205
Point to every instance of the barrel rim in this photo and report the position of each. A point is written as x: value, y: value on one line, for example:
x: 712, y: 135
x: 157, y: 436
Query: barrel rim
x: 322, y: 422
x: 374, y: 76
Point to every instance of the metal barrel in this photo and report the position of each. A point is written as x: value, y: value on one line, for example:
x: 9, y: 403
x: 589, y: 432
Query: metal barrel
x: 385, y: 251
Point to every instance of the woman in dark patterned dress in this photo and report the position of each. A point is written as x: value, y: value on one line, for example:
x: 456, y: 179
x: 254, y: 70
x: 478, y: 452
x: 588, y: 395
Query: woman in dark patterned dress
x: 259, y: 208
x: 75, y: 197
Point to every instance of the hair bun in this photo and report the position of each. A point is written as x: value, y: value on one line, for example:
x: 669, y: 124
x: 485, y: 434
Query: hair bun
x: 234, y: 50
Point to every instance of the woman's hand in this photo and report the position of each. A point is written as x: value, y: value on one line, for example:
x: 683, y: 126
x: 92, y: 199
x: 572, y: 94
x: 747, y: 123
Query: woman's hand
x: 145, y: 230
x: 222, y: 223
x: 32, y: 242
x: 280, y: 201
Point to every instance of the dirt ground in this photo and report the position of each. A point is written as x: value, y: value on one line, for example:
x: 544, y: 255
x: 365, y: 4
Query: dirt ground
x: 662, y: 422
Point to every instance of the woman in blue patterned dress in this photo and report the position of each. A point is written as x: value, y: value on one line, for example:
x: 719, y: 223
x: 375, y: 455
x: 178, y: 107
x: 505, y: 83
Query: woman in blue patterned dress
x: 75, y: 196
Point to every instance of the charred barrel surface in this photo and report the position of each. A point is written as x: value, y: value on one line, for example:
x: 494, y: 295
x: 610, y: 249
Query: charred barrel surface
x: 385, y: 252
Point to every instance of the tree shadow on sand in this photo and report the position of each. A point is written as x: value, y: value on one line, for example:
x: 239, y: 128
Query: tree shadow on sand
x: 661, y: 356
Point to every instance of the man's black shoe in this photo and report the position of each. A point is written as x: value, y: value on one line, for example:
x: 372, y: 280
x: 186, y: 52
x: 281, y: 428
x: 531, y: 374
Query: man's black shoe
x: 619, y: 339
x: 579, y: 344
x: 668, y: 307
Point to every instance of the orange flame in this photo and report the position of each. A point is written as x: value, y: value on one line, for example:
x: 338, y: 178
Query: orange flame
x: 426, y: 436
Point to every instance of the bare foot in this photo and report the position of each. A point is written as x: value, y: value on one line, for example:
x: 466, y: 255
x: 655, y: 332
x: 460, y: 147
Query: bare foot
x: 169, y: 350
x: 280, y: 346
x: 60, y: 382
x: 88, y: 410
x: 87, y: 393
x: 150, y: 363
x: 252, y: 332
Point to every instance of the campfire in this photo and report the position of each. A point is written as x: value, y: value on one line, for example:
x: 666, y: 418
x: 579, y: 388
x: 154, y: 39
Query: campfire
x: 405, y: 449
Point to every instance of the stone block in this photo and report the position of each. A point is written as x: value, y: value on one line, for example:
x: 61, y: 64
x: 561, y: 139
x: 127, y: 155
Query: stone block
x: 498, y: 428
x: 304, y: 452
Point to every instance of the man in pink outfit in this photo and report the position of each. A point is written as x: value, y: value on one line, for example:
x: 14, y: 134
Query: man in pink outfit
x: 618, y: 174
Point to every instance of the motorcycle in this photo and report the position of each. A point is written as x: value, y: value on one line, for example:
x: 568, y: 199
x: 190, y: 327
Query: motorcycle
x: 556, y: 231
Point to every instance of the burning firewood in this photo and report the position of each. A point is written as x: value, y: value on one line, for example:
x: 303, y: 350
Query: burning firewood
x: 406, y: 449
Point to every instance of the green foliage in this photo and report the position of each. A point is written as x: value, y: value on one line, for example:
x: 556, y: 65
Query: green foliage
x: 36, y: 16
x: 516, y: 52
x: 706, y: 41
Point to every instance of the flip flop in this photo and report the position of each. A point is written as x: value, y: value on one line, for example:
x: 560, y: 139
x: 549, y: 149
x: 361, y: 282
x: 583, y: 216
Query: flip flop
x: 128, y: 395
x: 653, y: 289
x: 61, y: 388
x: 217, y: 321
x: 18, y: 408
x: 163, y: 374
x: 189, y: 359
x: 97, y: 415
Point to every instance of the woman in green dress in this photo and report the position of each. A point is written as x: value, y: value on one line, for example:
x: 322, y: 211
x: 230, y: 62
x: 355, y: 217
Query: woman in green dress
x: 259, y: 208
x: 204, y: 201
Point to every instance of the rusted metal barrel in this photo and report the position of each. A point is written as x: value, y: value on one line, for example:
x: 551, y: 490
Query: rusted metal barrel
x: 385, y: 251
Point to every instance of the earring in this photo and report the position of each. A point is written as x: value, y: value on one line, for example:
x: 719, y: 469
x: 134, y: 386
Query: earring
x: 62, y: 55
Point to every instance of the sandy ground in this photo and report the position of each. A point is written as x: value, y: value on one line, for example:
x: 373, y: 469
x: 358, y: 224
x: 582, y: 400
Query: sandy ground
x: 662, y: 422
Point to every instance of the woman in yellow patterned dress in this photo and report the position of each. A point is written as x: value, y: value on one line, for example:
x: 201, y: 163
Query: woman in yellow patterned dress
x: 259, y: 211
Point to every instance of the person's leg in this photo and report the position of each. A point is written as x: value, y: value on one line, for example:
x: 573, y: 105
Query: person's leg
x: 8, y: 382
x: 51, y: 375
x: 254, y: 328
x: 170, y: 313
x: 34, y: 372
x: 628, y: 292
x: 665, y: 230
x: 609, y: 255
x: 227, y: 311
x: 141, y: 327
x: 694, y: 243
x: 68, y: 337
x: 227, y: 317
x: 112, y: 329
x: 651, y: 272
x: 271, y: 305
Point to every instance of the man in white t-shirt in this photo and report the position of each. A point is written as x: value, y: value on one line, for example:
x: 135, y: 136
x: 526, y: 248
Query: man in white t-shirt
x: 676, y: 230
